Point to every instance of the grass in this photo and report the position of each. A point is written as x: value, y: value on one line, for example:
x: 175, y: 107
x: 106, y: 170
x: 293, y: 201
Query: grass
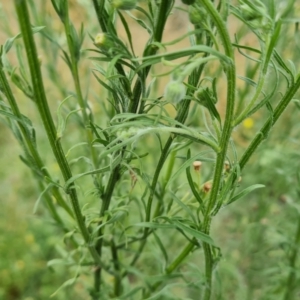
x: 111, y: 206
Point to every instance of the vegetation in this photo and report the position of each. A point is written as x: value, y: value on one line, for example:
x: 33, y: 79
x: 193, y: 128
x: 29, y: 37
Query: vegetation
x: 168, y: 168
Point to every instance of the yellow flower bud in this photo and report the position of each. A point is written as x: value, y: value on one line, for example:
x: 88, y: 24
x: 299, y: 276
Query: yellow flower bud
x: 104, y: 42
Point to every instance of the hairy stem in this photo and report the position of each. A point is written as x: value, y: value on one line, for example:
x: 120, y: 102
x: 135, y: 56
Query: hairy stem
x: 44, y: 111
x: 225, y: 136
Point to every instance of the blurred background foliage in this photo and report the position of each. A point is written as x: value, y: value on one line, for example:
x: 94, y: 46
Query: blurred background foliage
x: 256, y: 234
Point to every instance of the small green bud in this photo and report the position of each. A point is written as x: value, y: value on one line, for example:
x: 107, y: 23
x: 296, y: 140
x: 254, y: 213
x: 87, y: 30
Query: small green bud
x: 203, y: 95
x: 257, y: 17
x: 104, y: 42
x: 175, y: 91
x: 197, y: 14
x: 248, y: 13
x: 124, y: 4
x: 188, y: 2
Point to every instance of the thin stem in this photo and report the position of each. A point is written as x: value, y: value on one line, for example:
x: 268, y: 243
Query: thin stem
x: 261, y: 81
x: 290, y: 283
x: 225, y: 136
x: 75, y: 75
x: 262, y: 134
x: 177, y: 261
x: 160, y: 164
x: 103, y: 20
x: 158, y: 169
x: 164, y: 9
x: 44, y: 111
x: 118, y: 278
x: 181, y: 117
x: 29, y: 144
x: 101, y: 14
x: 106, y: 199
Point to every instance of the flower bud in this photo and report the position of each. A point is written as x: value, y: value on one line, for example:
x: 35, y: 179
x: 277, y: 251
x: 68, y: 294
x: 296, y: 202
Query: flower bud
x: 124, y: 4
x: 257, y: 17
x: 207, y: 187
x: 188, y: 2
x: 197, y: 165
x: 227, y: 166
x: 248, y: 13
x: 203, y: 95
x: 197, y: 14
x: 104, y: 41
x: 133, y: 178
x: 175, y: 91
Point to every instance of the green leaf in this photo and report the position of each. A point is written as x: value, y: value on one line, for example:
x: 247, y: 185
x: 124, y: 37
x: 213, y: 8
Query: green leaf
x: 9, y: 42
x: 154, y: 59
x: 272, y: 46
x: 153, y: 225
x: 67, y: 283
x: 193, y: 232
x: 248, y: 80
x: 127, y: 30
x: 209, y: 103
x: 59, y: 6
x: 97, y: 171
x: 48, y: 187
x: 245, y: 192
x: 161, y: 247
x: 61, y: 121
x: 176, y: 224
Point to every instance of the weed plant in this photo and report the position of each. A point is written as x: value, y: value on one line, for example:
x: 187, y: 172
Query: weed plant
x: 137, y: 172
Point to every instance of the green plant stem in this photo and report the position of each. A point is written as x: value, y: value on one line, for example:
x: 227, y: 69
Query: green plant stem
x: 164, y: 9
x: 106, y: 199
x: 181, y: 117
x: 158, y: 169
x: 165, y: 182
x: 177, y: 261
x: 225, y: 136
x: 118, y: 278
x: 290, y: 284
x: 261, y: 81
x: 103, y: 20
x: 262, y: 134
x: 51, y: 207
x: 29, y: 143
x: 82, y: 103
x: 44, y: 111
x: 101, y: 14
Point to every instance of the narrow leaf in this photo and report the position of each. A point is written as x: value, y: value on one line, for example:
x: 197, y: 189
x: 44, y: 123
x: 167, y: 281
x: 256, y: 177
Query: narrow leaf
x: 245, y: 192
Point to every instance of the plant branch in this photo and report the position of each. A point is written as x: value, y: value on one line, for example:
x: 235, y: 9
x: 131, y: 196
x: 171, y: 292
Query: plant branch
x: 29, y: 143
x: 151, y: 49
x: 225, y: 136
x: 262, y: 134
x: 44, y: 111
